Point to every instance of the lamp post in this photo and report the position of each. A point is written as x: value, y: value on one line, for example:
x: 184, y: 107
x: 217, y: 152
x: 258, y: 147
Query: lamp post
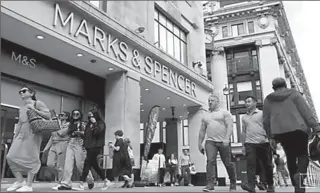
x: 226, y: 92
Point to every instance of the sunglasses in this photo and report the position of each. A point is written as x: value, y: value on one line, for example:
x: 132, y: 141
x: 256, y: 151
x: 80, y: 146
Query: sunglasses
x: 76, y: 114
x: 23, y: 91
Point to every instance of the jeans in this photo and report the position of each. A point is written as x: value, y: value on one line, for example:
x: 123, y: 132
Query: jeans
x: 173, y: 174
x: 295, y: 145
x: 212, y: 148
x: 91, y: 161
x: 185, y: 174
x: 255, y: 154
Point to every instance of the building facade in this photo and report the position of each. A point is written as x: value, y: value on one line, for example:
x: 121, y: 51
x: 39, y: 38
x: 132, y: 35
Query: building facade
x: 252, y: 44
x: 123, y: 57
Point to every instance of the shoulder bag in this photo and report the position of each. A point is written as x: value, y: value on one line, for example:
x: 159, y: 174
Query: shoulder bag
x: 40, y: 124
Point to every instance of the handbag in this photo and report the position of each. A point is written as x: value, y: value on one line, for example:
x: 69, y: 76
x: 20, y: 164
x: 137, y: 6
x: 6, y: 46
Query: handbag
x: 314, y: 149
x: 41, y: 125
x: 192, y: 169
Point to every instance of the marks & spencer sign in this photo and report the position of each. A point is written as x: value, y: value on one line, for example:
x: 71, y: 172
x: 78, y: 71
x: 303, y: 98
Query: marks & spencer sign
x: 113, y: 47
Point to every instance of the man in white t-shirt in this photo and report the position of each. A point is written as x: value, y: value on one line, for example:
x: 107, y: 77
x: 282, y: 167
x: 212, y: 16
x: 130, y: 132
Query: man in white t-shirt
x: 161, y: 160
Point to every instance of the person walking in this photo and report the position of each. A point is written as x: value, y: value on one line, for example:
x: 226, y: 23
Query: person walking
x: 56, y: 148
x: 94, y: 137
x: 75, y: 153
x: 184, y: 163
x: 121, y: 163
x: 24, y: 153
x: 173, y: 168
x: 257, y: 146
x: 288, y: 119
x: 217, y: 125
x: 161, y: 160
x: 281, y: 169
x: 131, y: 155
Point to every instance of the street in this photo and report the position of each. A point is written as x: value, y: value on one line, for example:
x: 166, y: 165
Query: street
x: 46, y: 187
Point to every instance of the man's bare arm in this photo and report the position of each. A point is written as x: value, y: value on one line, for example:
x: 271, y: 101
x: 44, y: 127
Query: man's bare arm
x: 202, y: 132
x: 229, y: 124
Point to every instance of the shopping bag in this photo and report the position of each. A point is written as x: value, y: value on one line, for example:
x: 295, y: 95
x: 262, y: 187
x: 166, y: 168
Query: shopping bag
x: 149, y: 171
x: 314, y: 148
x: 167, y: 178
x: 192, y: 169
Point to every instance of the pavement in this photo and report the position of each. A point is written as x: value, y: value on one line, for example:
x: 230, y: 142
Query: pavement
x: 46, y: 187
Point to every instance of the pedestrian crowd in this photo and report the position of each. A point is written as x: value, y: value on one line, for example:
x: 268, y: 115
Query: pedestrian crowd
x: 286, y: 120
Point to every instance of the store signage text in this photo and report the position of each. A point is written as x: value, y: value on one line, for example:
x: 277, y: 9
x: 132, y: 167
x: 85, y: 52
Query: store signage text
x: 23, y: 60
x: 119, y: 50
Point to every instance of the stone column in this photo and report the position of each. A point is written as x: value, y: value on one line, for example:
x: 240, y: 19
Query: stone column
x: 122, y: 110
x: 173, y: 140
x: 269, y: 64
x: 219, y: 74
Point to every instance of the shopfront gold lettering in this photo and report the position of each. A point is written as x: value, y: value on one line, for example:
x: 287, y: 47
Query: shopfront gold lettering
x: 98, y: 39
x: 23, y: 60
x: 106, y: 43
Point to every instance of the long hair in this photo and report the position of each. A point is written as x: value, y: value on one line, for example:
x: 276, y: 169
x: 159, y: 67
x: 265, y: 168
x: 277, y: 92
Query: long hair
x: 96, y: 114
x: 80, y: 118
x: 33, y: 97
x: 68, y: 116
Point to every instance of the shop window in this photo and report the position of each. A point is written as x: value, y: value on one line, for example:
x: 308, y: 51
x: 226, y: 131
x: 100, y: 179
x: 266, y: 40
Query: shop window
x: 237, y: 29
x: 244, y: 89
x: 224, y: 31
x: 169, y: 37
x: 250, y: 27
x: 71, y: 103
x: 185, y: 132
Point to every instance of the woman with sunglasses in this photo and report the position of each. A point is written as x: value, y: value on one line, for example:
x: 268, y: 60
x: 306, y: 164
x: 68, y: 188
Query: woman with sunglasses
x: 75, y: 151
x: 94, y: 137
x: 57, y: 146
x: 24, y: 154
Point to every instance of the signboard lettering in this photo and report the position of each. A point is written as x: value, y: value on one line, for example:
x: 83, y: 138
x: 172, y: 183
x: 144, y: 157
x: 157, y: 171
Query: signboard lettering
x: 23, y: 60
x: 114, y: 47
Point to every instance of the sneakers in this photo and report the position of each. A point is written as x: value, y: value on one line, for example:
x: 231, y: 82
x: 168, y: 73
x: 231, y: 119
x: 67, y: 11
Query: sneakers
x: 106, y: 185
x: 15, y: 186
x: 56, y: 187
x: 248, y: 188
x: 25, y: 189
x: 90, y: 186
x: 208, y: 189
x: 80, y: 188
x: 190, y: 185
x: 233, y: 187
x: 64, y: 188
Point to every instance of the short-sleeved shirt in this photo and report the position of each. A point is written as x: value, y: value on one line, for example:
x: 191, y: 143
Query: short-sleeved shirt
x: 252, y: 125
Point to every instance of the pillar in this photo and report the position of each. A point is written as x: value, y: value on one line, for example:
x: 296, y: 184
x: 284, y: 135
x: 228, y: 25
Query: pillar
x: 219, y: 74
x: 122, y: 110
x: 173, y: 137
x: 269, y: 65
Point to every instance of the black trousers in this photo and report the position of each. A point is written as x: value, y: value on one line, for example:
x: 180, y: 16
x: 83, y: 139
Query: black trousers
x: 91, y: 161
x: 161, y: 173
x: 295, y: 145
x: 259, y: 154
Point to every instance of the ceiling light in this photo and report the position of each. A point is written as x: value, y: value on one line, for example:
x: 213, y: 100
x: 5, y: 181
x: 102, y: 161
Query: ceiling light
x: 111, y: 69
x: 146, y: 89
x: 141, y: 103
x: 168, y: 98
x: 79, y: 55
x: 142, y: 110
x: 184, y: 105
x: 163, y: 108
x: 40, y: 37
x: 180, y: 116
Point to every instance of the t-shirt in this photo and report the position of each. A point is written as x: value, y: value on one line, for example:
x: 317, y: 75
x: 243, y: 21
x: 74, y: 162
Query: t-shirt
x: 130, y: 152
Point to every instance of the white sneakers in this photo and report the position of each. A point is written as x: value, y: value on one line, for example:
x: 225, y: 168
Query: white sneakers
x: 17, y: 186
x: 56, y: 187
x: 80, y: 188
x: 106, y: 185
x: 25, y: 189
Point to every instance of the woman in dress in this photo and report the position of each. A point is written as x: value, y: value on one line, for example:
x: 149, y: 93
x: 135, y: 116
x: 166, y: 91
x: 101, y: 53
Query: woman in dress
x: 121, y: 164
x: 56, y: 148
x: 24, y: 154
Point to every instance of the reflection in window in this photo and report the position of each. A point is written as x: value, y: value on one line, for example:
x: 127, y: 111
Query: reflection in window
x: 169, y: 37
x: 237, y: 29
x: 244, y: 89
x: 250, y: 27
x: 242, y: 61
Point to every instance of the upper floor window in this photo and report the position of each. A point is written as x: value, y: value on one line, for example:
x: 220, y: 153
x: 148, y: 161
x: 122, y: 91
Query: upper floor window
x: 242, y: 60
x: 225, y: 31
x: 169, y: 37
x: 99, y: 4
x: 239, y: 90
x: 250, y: 27
x: 238, y: 29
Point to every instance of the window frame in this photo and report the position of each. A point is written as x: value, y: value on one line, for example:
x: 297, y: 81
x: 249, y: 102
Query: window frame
x: 248, y: 24
x: 182, y: 37
x: 231, y: 62
x: 227, y: 31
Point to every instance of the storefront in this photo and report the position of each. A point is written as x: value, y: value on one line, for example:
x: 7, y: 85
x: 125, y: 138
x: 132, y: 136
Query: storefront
x: 121, y: 72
